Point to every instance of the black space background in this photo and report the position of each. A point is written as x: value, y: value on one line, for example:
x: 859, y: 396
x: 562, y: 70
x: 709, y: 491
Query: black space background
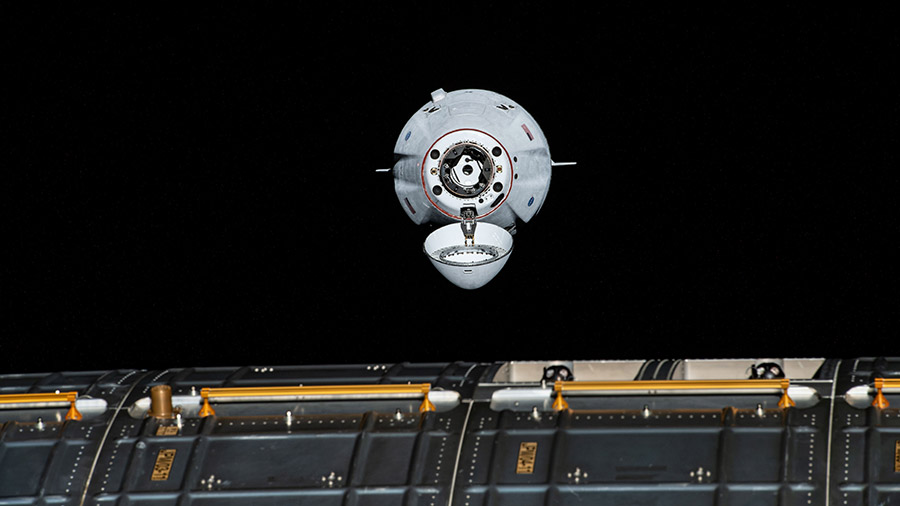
x: 198, y: 188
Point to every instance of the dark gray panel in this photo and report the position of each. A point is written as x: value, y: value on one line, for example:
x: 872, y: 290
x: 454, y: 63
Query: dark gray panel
x: 753, y: 454
x: 22, y: 466
x: 884, y: 446
x: 807, y: 449
x: 638, y: 454
x: 850, y: 495
x: 377, y: 497
x: 850, y: 456
x: 19, y: 383
x: 353, y: 453
x: 886, y: 495
x: 752, y: 495
x: 416, y: 373
x: 426, y: 496
x: 149, y: 500
x: 145, y: 456
x: 506, y: 456
x: 473, y: 469
x: 58, y: 500
x: 437, y: 452
x: 276, y: 461
x: 106, y: 500
x: 517, y: 496
x: 70, y: 467
x: 78, y: 381
x: 646, y: 495
x: 384, y: 458
x: 17, y: 501
x: 203, y: 376
x: 865, y: 455
x: 111, y: 467
x: 272, y: 498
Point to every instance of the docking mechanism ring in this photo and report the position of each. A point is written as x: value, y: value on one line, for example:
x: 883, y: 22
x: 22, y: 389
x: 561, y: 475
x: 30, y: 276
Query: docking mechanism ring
x: 466, y: 169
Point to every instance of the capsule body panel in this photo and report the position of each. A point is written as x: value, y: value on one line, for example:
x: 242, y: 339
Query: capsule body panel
x: 508, y: 171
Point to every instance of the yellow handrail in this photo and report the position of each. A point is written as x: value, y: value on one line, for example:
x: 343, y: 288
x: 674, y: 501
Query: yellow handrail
x: 69, y: 397
x: 881, y: 401
x: 642, y: 385
x: 314, y: 390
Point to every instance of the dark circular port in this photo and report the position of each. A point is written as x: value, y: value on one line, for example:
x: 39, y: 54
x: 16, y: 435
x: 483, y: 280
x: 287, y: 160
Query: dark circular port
x: 437, y: 190
x: 516, y: 176
x: 558, y: 373
x: 515, y: 158
x: 435, y: 154
x: 496, y: 151
x: 471, y: 162
x: 498, y: 186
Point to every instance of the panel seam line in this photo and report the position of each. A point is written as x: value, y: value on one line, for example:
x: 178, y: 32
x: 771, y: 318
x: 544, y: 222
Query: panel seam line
x: 830, y: 435
x: 462, y: 438
x: 87, y: 482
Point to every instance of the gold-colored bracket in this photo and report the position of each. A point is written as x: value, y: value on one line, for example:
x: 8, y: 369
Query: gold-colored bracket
x: 274, y: 393
x: 733, y: 386
x: 70, y: 397
x: 560, y: 404
x: 881, y: 401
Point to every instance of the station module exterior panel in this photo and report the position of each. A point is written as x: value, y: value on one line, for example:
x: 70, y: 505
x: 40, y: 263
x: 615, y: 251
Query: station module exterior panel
x: 493, y: 438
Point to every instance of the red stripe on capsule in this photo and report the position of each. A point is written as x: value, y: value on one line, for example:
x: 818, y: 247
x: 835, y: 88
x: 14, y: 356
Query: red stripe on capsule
x: 527, y: 132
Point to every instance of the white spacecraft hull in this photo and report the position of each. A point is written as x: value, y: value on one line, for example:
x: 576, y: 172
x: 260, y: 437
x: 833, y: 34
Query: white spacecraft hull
x: 471, y: 149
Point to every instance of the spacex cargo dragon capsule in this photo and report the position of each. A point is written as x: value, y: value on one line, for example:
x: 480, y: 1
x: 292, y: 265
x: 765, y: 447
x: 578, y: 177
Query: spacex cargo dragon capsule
x: 474, y: 161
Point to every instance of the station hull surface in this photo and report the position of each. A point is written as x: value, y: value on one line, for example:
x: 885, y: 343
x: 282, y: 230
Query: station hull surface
x: 493, y: 439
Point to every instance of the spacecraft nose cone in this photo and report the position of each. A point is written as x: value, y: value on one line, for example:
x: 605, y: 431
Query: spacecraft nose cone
x: 469, y: 266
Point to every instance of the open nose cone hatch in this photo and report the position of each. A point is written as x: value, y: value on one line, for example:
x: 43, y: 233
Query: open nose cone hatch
x: 469, y: 264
